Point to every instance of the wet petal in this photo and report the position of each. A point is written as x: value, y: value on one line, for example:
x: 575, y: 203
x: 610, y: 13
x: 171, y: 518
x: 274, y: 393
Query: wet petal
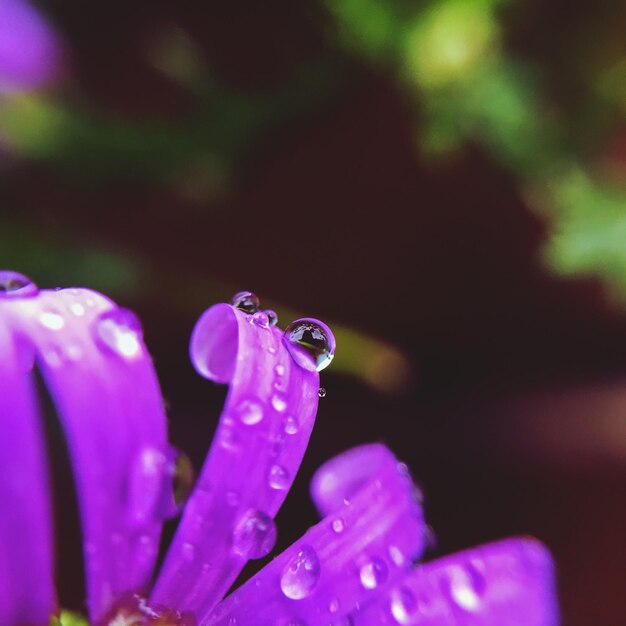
x: 259, y: 444
x: 102, y: 381
x: 372, y: 531
x: 509, y: 583
x: 26, y: 568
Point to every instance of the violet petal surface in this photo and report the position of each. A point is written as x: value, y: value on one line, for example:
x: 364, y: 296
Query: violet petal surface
x: 257, y: 449
x: 372, y: 532
x: 508, y: 583
x: 101, y: 379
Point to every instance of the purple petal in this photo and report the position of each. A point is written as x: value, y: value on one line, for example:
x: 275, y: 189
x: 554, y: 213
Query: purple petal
x: 259, y: 444
x: 509, y: 583
x: 102, y: 381
x: 26, y: 585
x: 373, y: 531
x: 28, y: 48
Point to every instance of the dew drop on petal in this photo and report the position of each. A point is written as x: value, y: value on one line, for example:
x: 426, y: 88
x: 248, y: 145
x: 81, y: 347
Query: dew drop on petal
x: 338, y: 525
x: 254, y: 535
x: 280, y: 370
x: 250, y: 412
x: 272, y: 317
x: 260, y: 319
x: 396, y: 555
x: 301, y: 574
x: 321, y: 392
x: 466, y: 586
x: 246, y: 301
x: 15, y: 285
x: 279, y: 478
x: 279, y: 403
x: 77, y: 309
x: 188, y: 552
x: 373, y: 573
x: 120, y: 331
x: 403, y: 605
x: 311, y: 343
x: 51, y: 320
x: 291, y: 425
x: 333, y: 607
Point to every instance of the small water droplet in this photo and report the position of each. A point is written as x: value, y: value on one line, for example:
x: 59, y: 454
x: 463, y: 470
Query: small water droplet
x: 466, y: 585
x: 321, y: 392
x: 403, y: 605
x: 333, y: 606
x: 250, y: 412
x: 15, y: 285
x: 74, y: 352
x: 272, y: 350
x: 182, y: 478
x: 232, y: 498
x: 120, y: 331
x: 246, y: 301
x: 280, y: 370
x: 53, y: 356
x: 77, y: 309
x: 188, y: 551
x: 301, y: 574
x: 51, y: 320
x: 260, y: 319
x: 338, y: 525
x: 311, y: 343
x: 279, y: 403
x: 291, y: 425
x: 373, y: 573
x: 254, y: 535
x: 272, y: 317
x: 279, y: 478
x: 396, y: 555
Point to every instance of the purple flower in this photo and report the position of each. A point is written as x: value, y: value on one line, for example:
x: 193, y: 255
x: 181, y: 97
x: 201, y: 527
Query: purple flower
x: 356, y: 567
x: 29, y: 50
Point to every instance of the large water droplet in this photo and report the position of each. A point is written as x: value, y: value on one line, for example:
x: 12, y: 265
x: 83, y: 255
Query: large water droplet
x: 120, y: 331
x: 279, y: 478
x: 246, y: 301
x: 250, y: 412
x: 301, y: 574
x: 261, y: 319
x: 311, y: 343
x: 466, y: 585
x: 254, y: 535
x: 373, y: 573
x: 13, y: 284
x: 52, y: 320
x: 272, y: 317
x: 403, y: 605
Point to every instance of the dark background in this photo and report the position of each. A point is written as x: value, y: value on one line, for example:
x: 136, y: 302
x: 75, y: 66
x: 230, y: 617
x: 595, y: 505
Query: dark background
x: 189, y: 150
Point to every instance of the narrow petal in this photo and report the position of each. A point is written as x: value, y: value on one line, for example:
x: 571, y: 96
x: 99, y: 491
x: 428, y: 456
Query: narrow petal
x: 373, y: 531
x: 509, y: 583
x: 26, y: 537
x: 258, y: 447
x: 102, y: 381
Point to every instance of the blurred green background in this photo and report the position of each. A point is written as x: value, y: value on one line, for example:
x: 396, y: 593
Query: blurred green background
x: 441, y: 181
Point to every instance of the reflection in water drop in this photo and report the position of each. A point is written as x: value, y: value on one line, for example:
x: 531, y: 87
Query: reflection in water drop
x: 254, y: 535
x: 272, y: 317
x: 15, y: 285
x: 321, y: 392
x: 260, y: 319
x: 301, y: 574
x: 246, y: 301
x: 120, y: 331
x: 311, y: 343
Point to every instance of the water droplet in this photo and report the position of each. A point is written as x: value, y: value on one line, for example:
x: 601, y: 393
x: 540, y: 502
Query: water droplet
x: 403, y: 605
x: 260, y: 319
x: 338, y: 525
x: 279, y: 478
x: 15, y: 285
x: 254, y: 535
x: 291, y: 425
x: 280, y: 370
x: 188, y: 551
x: 182, y: 478
x: 51, y: 320
x: 279, y: 403
x: 77, y: 309
x: 311, y: 343
x: 272, y: 317
x: 250, y: 412
x: 466, y: 586
x: 120, y: 331
x: 246, y: 301
x: 321, y: 392
x: 373, y: 573
x: 396, y: 555
x: 333, y: 607
x: 53, y: 356
x: 301, y: 574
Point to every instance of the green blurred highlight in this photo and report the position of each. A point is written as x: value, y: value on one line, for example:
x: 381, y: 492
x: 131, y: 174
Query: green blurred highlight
x: 68, y: 618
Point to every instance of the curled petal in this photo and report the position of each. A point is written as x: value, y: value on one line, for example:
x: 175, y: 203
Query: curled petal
x: 258, y: 447
x: 26, y: 568
x: 509, y: 583
x: 101, y: 379
x: 372, y: 532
